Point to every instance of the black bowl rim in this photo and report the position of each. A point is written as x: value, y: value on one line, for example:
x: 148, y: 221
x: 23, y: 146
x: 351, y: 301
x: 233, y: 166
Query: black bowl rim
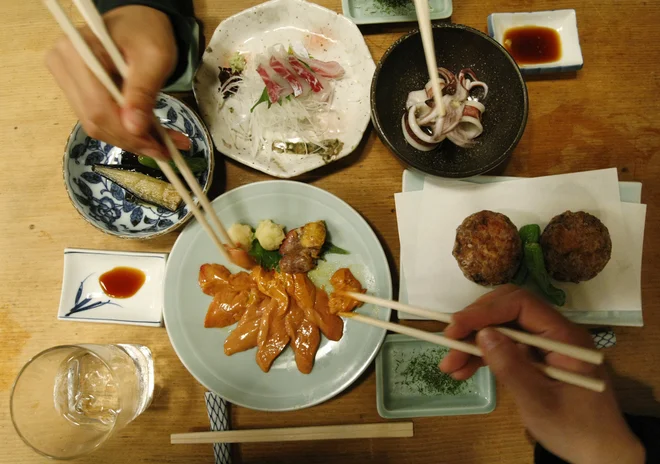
x: 377, y: 124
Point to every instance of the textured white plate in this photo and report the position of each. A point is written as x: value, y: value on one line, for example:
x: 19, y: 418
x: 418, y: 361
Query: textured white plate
x: 327, y: 36
x: 84, y: 300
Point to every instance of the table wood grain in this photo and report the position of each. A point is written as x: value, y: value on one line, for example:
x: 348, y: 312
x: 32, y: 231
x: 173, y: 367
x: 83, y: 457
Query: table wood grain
x: 605, y: 115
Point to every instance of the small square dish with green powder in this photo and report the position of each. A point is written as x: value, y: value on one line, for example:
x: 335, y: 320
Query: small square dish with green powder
x: 391, y: 11
x: 409, y: 383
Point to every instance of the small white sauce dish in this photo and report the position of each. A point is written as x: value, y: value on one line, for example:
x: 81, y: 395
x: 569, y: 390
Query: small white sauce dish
x: 83, y: 299
x: 563, y: 21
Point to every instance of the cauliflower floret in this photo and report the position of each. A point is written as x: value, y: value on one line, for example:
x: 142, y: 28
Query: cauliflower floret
x: 269, y: 234
x: 241, y: 235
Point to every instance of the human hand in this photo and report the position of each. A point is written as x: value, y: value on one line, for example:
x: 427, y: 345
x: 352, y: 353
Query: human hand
x: 578, y: 425
x: 145, y: 37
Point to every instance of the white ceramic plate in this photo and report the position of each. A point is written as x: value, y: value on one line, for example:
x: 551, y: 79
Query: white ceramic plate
x: 237, y: 378
x: 327, y: 36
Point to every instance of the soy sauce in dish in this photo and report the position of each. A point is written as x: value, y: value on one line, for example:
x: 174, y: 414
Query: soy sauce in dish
x: 122, y: 282
x: 533, y: 44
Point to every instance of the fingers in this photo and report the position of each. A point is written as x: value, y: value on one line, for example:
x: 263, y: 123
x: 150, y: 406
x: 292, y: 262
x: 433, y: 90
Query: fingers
x: 97, y: 111
x: 510, y: 303
x: 511, y: 366
x: 469, y: 369
x: 149, y: 65
x: 454, y: 361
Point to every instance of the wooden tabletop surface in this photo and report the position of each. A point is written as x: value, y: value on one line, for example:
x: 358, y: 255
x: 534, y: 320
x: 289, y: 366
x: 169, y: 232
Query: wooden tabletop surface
x: 605, y: 115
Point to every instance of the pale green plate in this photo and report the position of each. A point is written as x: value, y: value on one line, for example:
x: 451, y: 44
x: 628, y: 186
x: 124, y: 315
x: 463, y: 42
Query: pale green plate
x: 397, y: 398
x: 237, y: 378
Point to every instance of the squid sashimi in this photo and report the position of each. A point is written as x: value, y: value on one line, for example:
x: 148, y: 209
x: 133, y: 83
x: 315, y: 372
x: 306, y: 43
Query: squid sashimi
x: 459, y: 120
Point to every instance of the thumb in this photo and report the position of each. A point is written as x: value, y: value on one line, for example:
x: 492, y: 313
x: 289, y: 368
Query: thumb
x: 510, y: 365
x: 146, y: 75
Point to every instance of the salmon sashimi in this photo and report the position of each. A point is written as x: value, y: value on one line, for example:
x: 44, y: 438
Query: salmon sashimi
x: 273, y: 309
x: 245, y: 335
x: 232, y: 293
x: 228, y: 307
x: 330, y: 324
x: 213, y: 278
x: 305, y: 338
x: 344, y: 281
x: 273, y: 286
x: 272, y: 337
x: 315, y: 304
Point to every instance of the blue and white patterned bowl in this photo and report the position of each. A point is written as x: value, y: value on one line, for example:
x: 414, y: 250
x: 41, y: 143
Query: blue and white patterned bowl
x: 103, y: 203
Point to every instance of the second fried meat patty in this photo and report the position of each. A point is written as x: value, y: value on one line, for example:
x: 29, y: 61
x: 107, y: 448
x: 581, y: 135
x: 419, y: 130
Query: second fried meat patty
x: 488, y: 248
x: 576, y: 246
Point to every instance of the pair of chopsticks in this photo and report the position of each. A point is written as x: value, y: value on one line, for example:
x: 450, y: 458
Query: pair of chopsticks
x: 328, y: 432
x: 96, y: 24
x: 576, y: 352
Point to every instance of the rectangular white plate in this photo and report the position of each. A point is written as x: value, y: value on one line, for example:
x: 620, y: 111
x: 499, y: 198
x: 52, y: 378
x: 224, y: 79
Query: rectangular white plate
x: 81, y: 288
x: 563, y: 21
x: 631, y: 192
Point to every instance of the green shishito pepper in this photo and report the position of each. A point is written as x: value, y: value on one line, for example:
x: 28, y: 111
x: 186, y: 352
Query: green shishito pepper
x: 533, y: 264
x: 536, y: 266
x: 530, y: 233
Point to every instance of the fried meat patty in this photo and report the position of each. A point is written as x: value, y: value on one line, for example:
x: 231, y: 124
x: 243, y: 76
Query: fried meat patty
x: 576, y: 246
x: 488, y: 248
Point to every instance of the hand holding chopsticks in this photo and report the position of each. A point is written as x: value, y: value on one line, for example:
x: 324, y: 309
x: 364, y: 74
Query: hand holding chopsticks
x: 573, y: 351
x: 96, y: 24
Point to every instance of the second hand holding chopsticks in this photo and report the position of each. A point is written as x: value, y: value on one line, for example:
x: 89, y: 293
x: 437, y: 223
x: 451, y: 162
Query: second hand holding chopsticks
x: 96, y: 24
x: 576, y: 352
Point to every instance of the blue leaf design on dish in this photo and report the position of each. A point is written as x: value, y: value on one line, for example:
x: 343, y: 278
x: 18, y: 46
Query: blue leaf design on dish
x: 84, y: 188
x: 94, y: 157
x: 148, y: 220
x: 136, y: 216
x: 81, y: 199
x: 117, y: 192
x: 91, y: 177
x: 172, y: 116
x: 128, y: 206
x: 160, y: 104
x: 84, y: 305
x: 181, y: 213
x: 77, y: 151
x: 190, y: 130
x: 165, y: 223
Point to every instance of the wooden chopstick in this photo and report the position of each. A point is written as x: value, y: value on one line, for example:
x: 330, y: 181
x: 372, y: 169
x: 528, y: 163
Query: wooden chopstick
x: 97, y: 25
x: 426, y: 32
x: 572, y: 378
x: 576, y: 352
x: 328, y: 432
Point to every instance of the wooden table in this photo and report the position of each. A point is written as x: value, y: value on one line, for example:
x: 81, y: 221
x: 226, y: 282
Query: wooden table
x: 605, y: 115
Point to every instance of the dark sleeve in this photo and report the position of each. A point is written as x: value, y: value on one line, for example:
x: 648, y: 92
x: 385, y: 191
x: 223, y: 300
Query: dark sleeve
x: 646, y: 428
x: 180, y: 13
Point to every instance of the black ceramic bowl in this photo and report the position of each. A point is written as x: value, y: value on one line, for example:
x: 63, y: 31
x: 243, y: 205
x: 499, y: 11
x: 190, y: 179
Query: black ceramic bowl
x: 403, y: 69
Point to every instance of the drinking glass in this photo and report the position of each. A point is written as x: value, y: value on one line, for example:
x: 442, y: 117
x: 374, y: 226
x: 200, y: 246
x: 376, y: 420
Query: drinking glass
x: 68, y: 400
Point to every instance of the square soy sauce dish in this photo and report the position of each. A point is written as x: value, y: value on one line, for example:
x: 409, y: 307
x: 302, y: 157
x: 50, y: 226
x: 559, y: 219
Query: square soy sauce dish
x: 541, y: 42
x: 409, y: 383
